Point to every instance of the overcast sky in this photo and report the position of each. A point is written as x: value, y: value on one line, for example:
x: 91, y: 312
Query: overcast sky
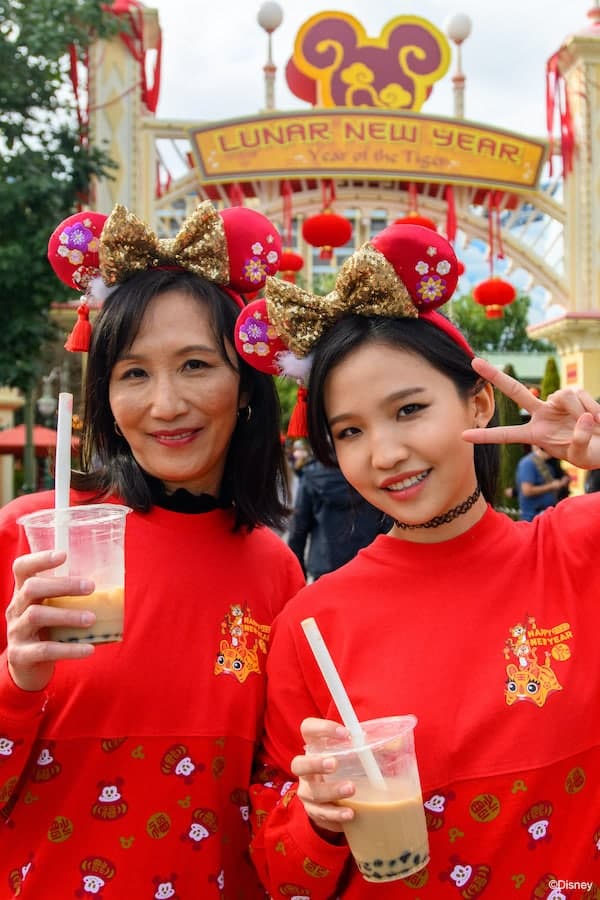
x: 213, y: 54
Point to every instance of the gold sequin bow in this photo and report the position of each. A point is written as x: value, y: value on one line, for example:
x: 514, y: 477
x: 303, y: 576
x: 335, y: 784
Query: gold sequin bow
x: 367, y: 285
x: 128, y: 245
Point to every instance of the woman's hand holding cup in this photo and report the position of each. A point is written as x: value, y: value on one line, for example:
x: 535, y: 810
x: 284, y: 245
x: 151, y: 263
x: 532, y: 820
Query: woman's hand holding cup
x: 31, y: 656
x: 318, y: 795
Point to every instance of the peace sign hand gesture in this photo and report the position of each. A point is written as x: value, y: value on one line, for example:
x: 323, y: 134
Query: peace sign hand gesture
x: 566, y: 425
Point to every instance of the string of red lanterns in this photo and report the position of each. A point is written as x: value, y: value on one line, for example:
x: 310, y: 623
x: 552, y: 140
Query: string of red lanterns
x: 494, y: 293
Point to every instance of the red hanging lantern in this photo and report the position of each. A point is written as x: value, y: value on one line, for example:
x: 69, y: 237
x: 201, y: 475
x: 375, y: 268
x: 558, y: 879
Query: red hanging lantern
x: 289, y: 264
x: 461, y: 267
x: 494, y: 293
x: 326, y: 230
x: 415, y: 218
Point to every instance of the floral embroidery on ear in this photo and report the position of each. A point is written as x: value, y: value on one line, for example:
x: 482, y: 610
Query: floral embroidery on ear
x: 256, y: 337
x: 76, y: 240
x: 254, y: 247
x: 431, y: 289
x: 73, y: 249
x: 261, y: 263
x: 255, y: 270
x: 255, y: 334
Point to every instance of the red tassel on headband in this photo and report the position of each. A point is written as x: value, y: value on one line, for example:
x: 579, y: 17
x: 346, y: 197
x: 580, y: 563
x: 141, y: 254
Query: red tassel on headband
x: 298, y: 424
x: 73, y: 254
x: 79, y: 339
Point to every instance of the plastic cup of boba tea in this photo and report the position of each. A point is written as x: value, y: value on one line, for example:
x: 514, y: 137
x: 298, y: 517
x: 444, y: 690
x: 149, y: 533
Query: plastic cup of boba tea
x: 93, y: 537
x: 388, y: 834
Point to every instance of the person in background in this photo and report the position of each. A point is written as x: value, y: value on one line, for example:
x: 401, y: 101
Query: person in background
x: 125, y: 767
x: 301, y: 455
x: 483, y: 627
x: 538, y: 484
x: 556, y: 467
x: 331, y: 521
x: 298, y: 456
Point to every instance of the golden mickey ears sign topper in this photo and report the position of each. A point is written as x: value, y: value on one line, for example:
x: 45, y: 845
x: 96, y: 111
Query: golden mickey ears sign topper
x: 335, y: 62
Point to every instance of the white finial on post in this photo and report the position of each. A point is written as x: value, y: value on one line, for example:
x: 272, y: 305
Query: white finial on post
x: 270, y: 17
x: 458, y: 29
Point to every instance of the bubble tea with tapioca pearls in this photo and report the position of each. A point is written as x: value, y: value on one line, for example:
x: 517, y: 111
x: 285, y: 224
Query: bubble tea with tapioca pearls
x: 388, y: 834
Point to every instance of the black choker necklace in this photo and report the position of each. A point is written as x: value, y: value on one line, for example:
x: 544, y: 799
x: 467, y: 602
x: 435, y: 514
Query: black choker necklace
x: 449, y: 516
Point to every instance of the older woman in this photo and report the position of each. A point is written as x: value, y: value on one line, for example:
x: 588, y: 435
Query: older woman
x: 124, y: 768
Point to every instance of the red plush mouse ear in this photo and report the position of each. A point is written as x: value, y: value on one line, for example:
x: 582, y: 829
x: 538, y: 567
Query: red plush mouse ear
x: 256, y: 340
x: 424, y: 261
x: 73, y: 249
x: 253, y: 247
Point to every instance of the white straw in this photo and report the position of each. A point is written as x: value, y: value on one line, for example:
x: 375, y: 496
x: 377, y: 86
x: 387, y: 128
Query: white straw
x: 341, y: 699
x: 62, y: 468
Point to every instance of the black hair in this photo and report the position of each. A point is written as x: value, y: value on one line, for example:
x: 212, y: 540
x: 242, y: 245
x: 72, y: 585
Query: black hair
x: 254, y: 478
x: 414, y: 336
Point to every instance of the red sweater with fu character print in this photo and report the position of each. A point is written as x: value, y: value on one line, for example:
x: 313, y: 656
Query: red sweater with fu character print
x: 128, y: 777
x: 491, y: 639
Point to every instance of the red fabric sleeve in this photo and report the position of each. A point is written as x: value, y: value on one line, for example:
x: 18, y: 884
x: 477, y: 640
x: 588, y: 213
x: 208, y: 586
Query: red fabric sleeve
x: 20, y: 711
x: 21, y: 715
x: 286, y: 850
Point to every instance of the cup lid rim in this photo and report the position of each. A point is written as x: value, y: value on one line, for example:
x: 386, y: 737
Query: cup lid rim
x: 35, y: 516
x: 407, y: 724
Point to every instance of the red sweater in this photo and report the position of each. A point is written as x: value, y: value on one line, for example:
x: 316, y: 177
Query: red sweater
x: 128, y: 777
x: 491, y: 639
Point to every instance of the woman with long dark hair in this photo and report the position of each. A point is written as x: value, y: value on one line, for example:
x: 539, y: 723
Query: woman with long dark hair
x: 482, y: 627
x: 124, y: 768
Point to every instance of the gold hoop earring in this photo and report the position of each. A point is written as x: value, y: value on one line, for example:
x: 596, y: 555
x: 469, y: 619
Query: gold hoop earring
x: 247, y: 410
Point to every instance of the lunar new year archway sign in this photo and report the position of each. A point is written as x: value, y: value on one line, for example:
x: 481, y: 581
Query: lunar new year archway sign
x: 349, y: 144
x: 365, y: 132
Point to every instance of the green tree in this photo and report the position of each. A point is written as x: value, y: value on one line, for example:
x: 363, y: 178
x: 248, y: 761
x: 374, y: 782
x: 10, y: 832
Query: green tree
x: 46, y: 164
x: 550, y: 379
x: 324, y: 282
x: 508, y: 414
x: 485, y: 335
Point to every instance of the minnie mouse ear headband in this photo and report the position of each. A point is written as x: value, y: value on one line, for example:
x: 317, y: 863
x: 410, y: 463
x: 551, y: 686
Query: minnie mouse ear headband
x: 406, y: 271
x: 236, y: 248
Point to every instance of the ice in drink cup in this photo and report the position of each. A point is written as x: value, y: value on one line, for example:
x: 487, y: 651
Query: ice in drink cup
x: 93, y: 537
x: 388, y: 834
